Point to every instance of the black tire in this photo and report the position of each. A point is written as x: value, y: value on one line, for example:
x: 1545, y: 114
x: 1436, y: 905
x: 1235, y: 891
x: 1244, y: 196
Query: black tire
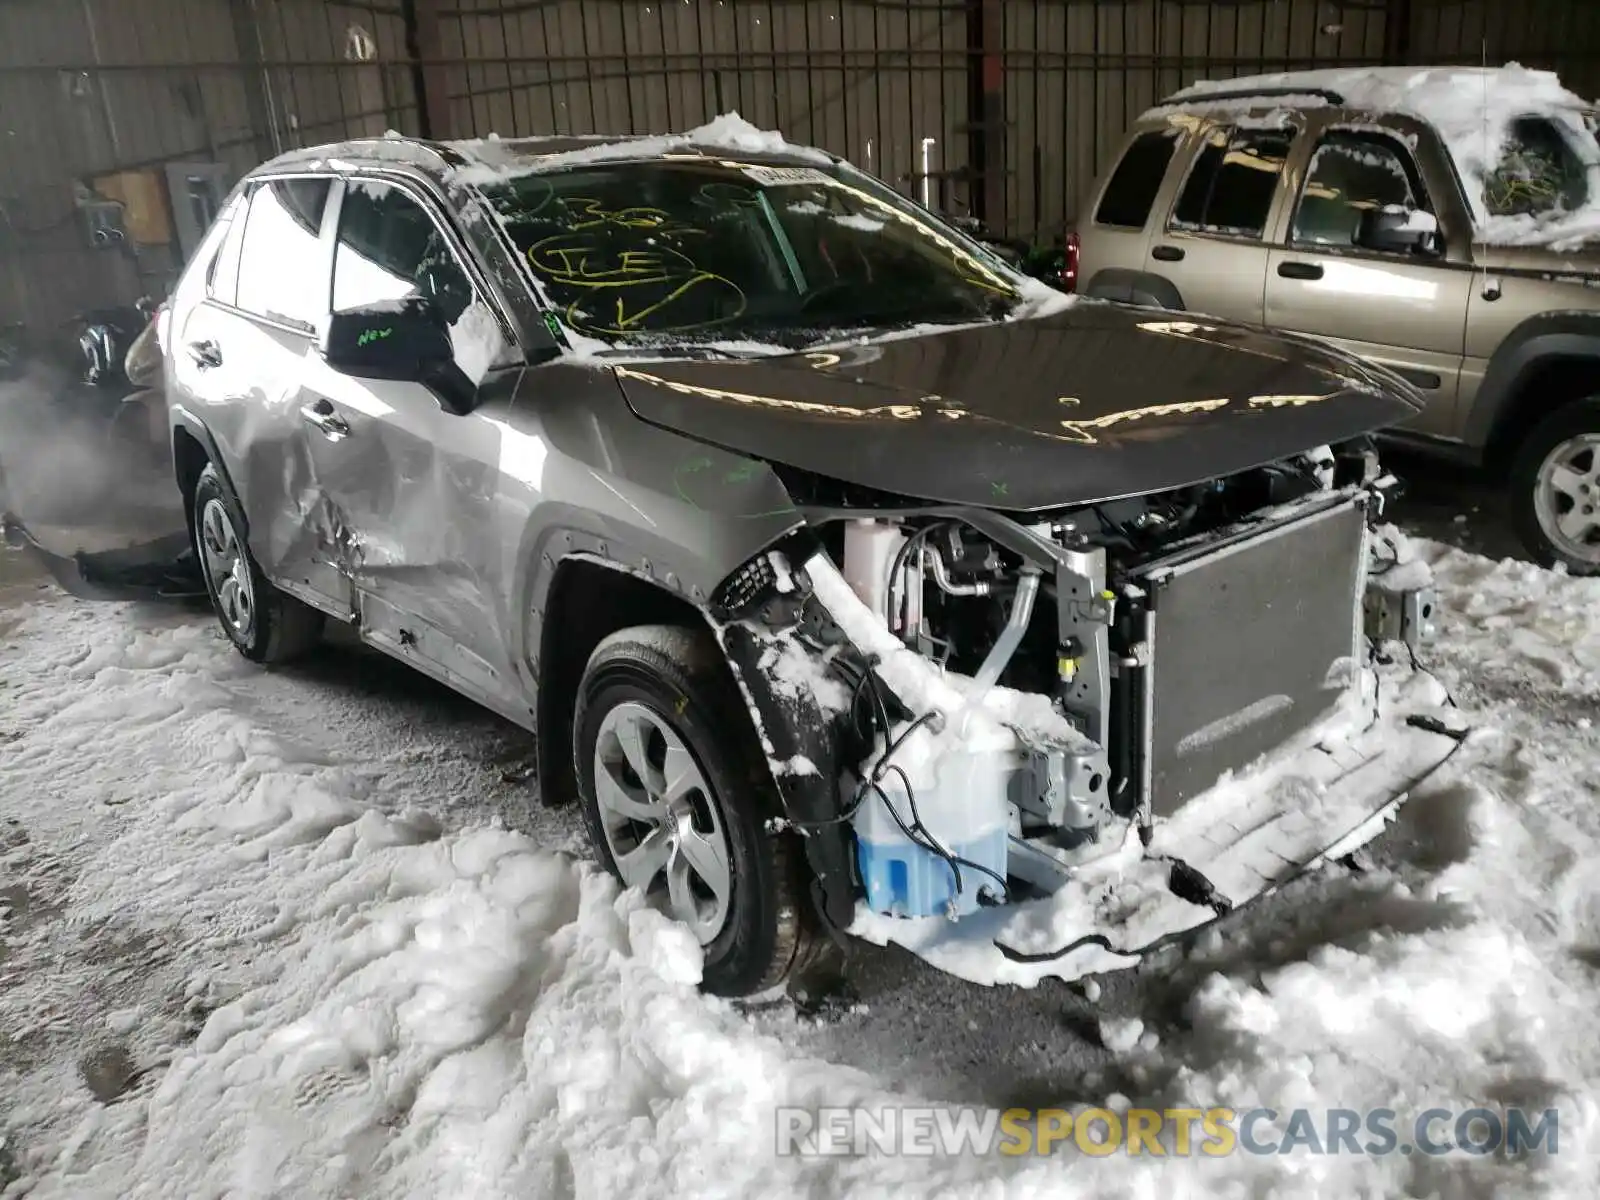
x: 282, y: 627
x: 1569, y: 421
x: 679, y: 676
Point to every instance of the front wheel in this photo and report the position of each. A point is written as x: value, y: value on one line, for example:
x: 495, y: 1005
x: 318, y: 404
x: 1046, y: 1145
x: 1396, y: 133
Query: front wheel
x: 1555, y: 489
x: 677, y: 796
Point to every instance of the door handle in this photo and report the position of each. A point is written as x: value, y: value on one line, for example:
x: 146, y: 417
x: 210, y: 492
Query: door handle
x: 322, y: 415
x: 206, y: 354
x: 1167, y: 253
x: 1300, y: 270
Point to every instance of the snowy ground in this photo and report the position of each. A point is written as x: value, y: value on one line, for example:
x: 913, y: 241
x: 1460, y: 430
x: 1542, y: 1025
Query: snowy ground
x: 272, y: 934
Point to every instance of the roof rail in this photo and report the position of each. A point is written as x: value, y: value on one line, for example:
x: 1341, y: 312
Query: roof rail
x: 1265, y: 93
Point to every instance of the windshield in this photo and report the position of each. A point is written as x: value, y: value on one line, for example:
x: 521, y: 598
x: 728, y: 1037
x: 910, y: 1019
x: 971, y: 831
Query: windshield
x: 701, y: 250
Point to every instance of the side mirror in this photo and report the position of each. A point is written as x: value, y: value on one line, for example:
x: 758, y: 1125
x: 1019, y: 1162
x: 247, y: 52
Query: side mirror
x: 1396, y: 230
x: 404, y: 340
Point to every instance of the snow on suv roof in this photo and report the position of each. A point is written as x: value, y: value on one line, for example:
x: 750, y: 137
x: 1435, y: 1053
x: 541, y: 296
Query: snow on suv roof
x: 1471, y: 107
x: 1439, y: 95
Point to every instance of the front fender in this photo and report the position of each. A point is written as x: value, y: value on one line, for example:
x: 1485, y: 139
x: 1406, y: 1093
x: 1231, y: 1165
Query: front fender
x: 804, y: 742
x: 1563, y: 335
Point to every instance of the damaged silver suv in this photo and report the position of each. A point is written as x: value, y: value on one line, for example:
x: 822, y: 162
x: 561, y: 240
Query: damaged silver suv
x: 846, y: 577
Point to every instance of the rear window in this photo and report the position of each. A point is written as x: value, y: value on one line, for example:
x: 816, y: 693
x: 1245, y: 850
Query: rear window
x: 1539, y: 171
x: 1230, y: 189
x: 1132, y: 187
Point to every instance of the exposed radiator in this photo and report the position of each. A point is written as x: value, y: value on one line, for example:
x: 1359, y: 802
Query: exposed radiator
x: 1248, y: 643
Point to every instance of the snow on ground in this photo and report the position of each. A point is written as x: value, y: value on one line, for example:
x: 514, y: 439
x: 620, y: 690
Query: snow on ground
x: 264, y: 933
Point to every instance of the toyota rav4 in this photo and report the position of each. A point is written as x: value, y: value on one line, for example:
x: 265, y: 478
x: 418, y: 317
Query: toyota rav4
x: 845, y: 576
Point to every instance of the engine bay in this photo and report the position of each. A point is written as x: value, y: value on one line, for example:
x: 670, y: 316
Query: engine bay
x: 1008, y: 704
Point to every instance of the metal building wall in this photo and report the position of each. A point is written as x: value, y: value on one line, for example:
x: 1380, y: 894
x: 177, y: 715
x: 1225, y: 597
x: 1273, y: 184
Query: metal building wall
x: 68, y: 120
x: 89, y: 88
x: 1034, y: 92
x: 865, y: 78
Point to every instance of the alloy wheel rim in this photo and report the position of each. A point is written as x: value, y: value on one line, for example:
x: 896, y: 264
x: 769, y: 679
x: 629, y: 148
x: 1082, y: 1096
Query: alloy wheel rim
x: 661, y: 826
x: 227, y: 570
x: 1566, y: 498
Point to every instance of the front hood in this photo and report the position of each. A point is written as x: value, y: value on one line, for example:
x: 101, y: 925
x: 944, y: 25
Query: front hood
x: 1092, y: 403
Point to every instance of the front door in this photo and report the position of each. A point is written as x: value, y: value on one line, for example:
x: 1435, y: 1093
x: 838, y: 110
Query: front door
x: 1405, y: 311
x: 416, y: 486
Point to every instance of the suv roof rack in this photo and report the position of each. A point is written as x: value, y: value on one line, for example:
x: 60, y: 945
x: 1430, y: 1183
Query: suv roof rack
x: 1266, y: 93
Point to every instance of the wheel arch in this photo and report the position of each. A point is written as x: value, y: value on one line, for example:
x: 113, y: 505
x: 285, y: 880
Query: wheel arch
x: 194, y: 449
x: 589, y: 598
x: 1545, y: 363
x: 1134, y: 287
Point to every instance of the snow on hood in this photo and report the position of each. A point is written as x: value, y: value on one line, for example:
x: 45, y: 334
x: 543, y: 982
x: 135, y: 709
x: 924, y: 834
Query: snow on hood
x: 499, y: 160
x: 1471, y: 107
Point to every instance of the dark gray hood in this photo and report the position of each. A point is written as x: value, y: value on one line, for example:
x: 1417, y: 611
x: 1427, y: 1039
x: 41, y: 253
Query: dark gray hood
x: 1091, y: 403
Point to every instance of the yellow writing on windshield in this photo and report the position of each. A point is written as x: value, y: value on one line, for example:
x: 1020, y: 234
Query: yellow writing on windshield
x: 653, y: 283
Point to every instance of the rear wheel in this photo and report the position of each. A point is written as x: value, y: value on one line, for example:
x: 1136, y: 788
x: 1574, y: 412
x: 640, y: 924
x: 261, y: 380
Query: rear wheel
x: 264, y: 625
x: 1555, y: 489
x: 677, y: 795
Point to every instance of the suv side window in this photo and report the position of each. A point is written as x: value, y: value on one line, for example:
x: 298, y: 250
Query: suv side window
x: 390, y: 249
x: 1132, y: 188
x: 1351, y: 173
x: 1232, y: 182
x: 222, y: 277
x: 1538, y: 173
x: 283, y: 271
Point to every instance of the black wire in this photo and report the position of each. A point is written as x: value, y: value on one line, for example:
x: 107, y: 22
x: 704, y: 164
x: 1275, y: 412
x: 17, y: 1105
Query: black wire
x: 902, y: 560
x: 918, y: 835
x: 1394, y: 559
x: 883, y: 763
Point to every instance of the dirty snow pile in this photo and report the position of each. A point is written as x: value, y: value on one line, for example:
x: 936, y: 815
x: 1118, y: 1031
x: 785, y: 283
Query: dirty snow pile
x: 321, y: 968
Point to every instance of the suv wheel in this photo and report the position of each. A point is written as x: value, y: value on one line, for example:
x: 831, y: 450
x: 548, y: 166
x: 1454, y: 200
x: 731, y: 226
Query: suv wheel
x: 264, y: 625
x: 676, y: 795
x: 1555, y: 482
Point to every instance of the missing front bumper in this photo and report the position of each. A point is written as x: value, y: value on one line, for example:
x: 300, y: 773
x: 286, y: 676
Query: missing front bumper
x: 1319, y: 801
x: 143, y: 568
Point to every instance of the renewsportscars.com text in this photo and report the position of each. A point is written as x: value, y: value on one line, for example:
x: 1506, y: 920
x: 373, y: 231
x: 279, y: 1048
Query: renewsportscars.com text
x: 1161, y: 1132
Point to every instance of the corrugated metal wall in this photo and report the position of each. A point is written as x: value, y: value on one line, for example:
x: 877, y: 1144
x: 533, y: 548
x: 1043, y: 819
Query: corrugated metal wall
x: 89, y: 87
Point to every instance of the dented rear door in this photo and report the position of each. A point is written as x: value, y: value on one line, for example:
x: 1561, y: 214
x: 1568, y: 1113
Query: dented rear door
x: 238, y: 362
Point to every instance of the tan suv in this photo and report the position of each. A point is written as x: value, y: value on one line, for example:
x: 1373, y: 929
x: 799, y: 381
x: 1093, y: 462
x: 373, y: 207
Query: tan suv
x: 1443, y: 222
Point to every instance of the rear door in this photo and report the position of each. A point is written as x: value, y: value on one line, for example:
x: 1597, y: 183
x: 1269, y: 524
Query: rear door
x: 1115, y: 236
x: 238, y: 363
x: 1407, y: 311
x: 1213, y: 245
x: 414, y: 488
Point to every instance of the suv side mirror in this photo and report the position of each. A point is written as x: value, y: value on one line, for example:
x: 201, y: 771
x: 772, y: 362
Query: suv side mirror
x: 1396, y: 230
x: 404, y: 340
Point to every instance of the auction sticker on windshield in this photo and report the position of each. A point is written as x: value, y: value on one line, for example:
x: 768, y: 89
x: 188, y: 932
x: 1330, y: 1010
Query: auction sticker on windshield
x: 786, y: 176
